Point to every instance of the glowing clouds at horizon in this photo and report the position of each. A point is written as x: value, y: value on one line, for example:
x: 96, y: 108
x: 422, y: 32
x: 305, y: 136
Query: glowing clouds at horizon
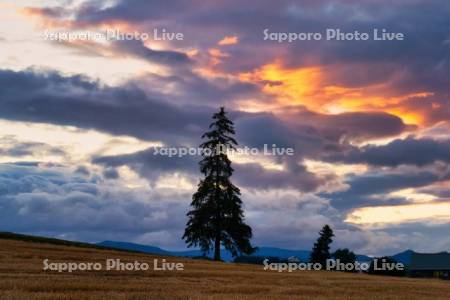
x: 429, y: 212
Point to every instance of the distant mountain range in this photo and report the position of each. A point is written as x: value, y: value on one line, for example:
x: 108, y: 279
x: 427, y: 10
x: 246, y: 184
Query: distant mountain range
x: 303, y: 255
x: 403, y: 257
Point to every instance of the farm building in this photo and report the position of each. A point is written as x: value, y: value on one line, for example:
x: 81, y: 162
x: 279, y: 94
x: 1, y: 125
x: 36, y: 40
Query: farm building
x: 430, y: 265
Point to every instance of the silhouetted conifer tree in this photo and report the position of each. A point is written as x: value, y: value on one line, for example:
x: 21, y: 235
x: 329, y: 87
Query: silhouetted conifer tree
x: 321, y: 250
x: 217, y: 217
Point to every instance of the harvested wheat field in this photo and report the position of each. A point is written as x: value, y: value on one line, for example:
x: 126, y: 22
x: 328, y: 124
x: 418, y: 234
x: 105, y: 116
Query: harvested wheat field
x: 22, y: 277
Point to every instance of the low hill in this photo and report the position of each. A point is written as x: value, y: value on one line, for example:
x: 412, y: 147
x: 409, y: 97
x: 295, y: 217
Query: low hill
x: 303, y: 255
x: 403, y: 257
x: 134, y: 247
x: 22, y: 277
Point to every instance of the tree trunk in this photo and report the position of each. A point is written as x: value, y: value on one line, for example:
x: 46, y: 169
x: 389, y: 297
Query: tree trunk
x: 217, y: 248
x: 218, y: 214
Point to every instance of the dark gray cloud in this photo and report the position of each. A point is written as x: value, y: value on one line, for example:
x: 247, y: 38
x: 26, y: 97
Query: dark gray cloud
x: 133, y: 10
x: 77, y: 101
x: 82, y: 170
x: 152, y: 166
x: 359, y: 125
x: 409, y: 151
x: 111, y: 173
x: 371, y: 188
x: 128, y: 48
x: 313, y: 134
x: 9, y: 146
x: 137, y: 49
x: 254, y: 176
x: 149, y: 112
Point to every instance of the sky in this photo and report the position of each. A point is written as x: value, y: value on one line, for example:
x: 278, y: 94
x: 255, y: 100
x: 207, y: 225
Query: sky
x: 369, y: 121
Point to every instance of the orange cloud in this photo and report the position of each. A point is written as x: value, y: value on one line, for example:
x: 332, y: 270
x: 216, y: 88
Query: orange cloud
x: 192, y: 52
x: 290, y: 86
x: 228, y: 40
x: 216, y: 56
x: 310, y: 87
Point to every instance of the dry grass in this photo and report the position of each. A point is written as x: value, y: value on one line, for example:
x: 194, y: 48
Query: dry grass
x: 21, y: 277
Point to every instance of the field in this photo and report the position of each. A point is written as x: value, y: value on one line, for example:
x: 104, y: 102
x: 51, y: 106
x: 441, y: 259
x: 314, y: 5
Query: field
x: 22, y: 277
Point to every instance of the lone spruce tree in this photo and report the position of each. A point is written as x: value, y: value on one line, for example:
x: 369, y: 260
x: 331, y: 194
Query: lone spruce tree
x: 321, y: 250
x: 217, y: 217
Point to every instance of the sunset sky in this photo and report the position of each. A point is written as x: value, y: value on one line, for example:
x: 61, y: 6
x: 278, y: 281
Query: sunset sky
x: 369, y: 120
